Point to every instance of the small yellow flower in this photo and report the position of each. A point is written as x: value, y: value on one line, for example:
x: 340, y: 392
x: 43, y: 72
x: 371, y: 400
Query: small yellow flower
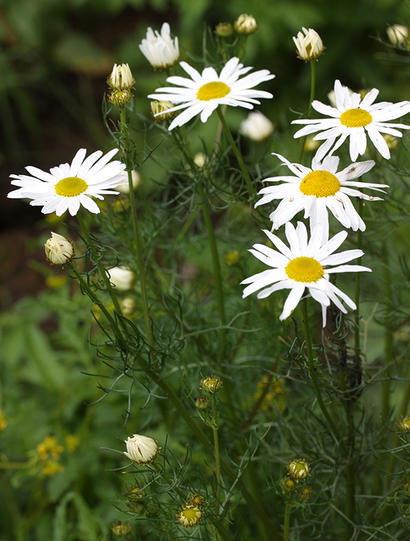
x: 288, y: 484
x: 49, y: 447
x: 232, y: 258
x: 51, y: 467
x: 299, y: 469
x: 245, y: 24
x: 135, y: 493
x: 224, y: 30
x: 211, y: 384
x: 189, y: 515
x: 72, y: 442
x: 121, y: 528
x: 3, y: 422
x: 276, y: 393
x: 404, y: 424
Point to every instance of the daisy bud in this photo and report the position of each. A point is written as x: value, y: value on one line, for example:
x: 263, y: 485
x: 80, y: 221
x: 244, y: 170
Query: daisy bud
x: 257, y: 127
x: 200, y: 159
x: 306, y: 492
x: 404, y: 424
x: 299, y: 469
x: 308, y: 44
x: 121, y: 528
x: 141, y: 449
x: 159, y: 110
x: 159, y: 49
x: 392, y: 142
x: 127, y: 306
x: 245, y: 24
x: 224, y: 30
x: 124, y: 186
x: 189, y: 515
x: 120, y: 97
x: 121, y: 77
x: 197, y: 500
x: 288, y: 484
x: 232, y: 258
x: 311, y: 145
x: 58, y: 249
x: 201, y: 402
x: 211, y: 384
x: 121, y: 277
x: 398, y: 35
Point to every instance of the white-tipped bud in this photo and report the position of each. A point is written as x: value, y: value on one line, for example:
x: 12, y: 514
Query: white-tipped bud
x: 308, y: 44
x: 257, y: 127
x: 159, y: 110
x: 245, y: 24
x: 124, y: 186
x: 200, y: 159
x: 224, y: 30
x: 159, y: 49
x: 398, y: 35
x: 121, y: 277
x: 127, y: 306
x: 141, y: 449
x: 121, y: 77
x: 58, y: 249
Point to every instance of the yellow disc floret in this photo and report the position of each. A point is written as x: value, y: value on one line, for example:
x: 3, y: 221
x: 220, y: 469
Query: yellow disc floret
x: 70, y: 186
x: 320, y: 184
x: 304, y: 269
x: 212, y: 91
x: 355, y: 118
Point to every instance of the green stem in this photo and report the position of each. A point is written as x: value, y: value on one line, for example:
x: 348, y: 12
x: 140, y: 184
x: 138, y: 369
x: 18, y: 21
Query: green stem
x: 286, y: 522
x: 216, y: 267
x: 311, y: 98
x: 312, y: 371
x: 348, y: 404
x: 241, y: 163
x: 135, y: 228
x: 388, y: 332
x: 217, y: 457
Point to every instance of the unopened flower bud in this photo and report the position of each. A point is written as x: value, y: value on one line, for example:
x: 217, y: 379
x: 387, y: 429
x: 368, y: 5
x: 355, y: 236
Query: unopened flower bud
x: 121, y: 277
x: 121, y: 77
x: 121, y: 528
x: 159, y: 48
x: 224, y: 30
x: 124, y: 186
x: 189, y: 515
x: 310, y: 144
x: 159, y: 110
x: 299, y: 469
x: 404, y: 424
x: 197, y: 500
x: 120, y: 97
x: 288, y: 484
x: 200, y: 159
x: 306, y: 492
x: 308, y: 44
x: 201, y: 402
x: 211, y: 384
x: 127, y: 306
x: 257, y: 127
x: 141, y: 449
x: 398, y: 34
x: 58, y: 249
x: 392, y: 142
x: 245, y: 24
x: 232, y: 258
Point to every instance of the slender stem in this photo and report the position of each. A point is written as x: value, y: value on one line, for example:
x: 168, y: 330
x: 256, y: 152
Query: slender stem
x: 311, y: 98
x: 216, y: 267
x: 217, y: 457
x: 388, y: 332
x: 312, y: 371
x: 357, y: 296
x: 348, y: 404
x: 135, y: 228
x: 286, y: 522
x: 241, y: 163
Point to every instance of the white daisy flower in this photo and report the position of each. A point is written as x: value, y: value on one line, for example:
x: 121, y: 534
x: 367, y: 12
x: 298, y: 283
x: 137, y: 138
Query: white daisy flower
x: 202, y: 93
x: 303, y: 265
x: 317, y: 189
x: 67, y: 187
x: 354, y: 118
x: 159, y: 49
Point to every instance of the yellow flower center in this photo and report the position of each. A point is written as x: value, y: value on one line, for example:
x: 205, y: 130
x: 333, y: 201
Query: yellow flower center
x: 320, y: 184
x: 70, y: 186
x: 212, y: 91
x: 355, y: 118
x: 190, y: 514
x: 304, y: 269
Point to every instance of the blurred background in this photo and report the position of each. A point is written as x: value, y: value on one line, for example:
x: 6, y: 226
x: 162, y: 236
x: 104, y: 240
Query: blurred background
x: 54, y: 60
